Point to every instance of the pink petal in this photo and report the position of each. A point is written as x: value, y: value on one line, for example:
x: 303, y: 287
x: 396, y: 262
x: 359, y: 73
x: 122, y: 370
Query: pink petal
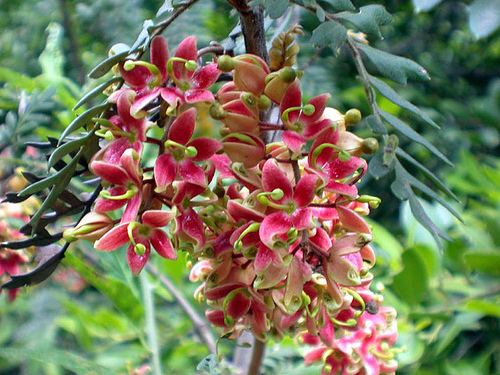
x: 192, y: 173
x: 141, y: 101
x: 338, y: 169
x: 130, y: 163
x: 348, y: 244
x: 239, y: 212
x: 302, y: 218
x: 238, y: 306
x: 222, y: 291
x: 104, y: 205
x: 162, y: 244
x: 293, y: 140
x: 135, y: 261
x: 132, y: 209
x: 137, y: 77
x: 115, y: 238
x: 185, y: 191
x: 198, y: 95
x: 157, y: 218
x: 352, y: 221
x: 322, y: 240
x: 264, y: 257
x: 173, y: 96
x: 190, y: 224
x: 319, y: 103
x: 159, y: 54
x: 305, y: 190
x: 165, y: 170
x: 348, y: 190
x: 313, y: 129
x: 182, y: 128
x: 276, y: 224
x: 109, y: 172
x: 216, y: 317
x: 292, y: 98
x: 123, y: 105
x: 186, y: 50
x: 328, y: 136
x: 206, y: 147
x: 205, y: 76
x: 273, y: 177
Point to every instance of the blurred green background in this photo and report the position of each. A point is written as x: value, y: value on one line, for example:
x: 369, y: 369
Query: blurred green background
x: 89, y: 317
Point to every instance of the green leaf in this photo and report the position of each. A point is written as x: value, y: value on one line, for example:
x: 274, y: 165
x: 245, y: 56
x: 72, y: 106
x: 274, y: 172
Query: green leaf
x: 412, y: 283
x: 404, y: 175
x: 461, y: 322
x: 329, y: 34
x: 377, y: 168
x: 276, y: 8
x: 83, y: 119
x: 95, y: 92
x: 484, y: 262
x: 397, y: 68
x: 65, y: 149
x: 340, y: 5
x: 58, y: 188
x: 67, y: 360
x: 390, y: 248
x: 388, y: 92
x: 17, y: 80
x: 105, y: 66
x: 117, y: 292
x: 425, y: 5
x: 406, y: 130
x: 419, y: 213
x: 484, y: 17
x: 368, y: 19
x: 142, y: 40
x: 483, y: 307
x: 374, y: 124
x: 431, y: 176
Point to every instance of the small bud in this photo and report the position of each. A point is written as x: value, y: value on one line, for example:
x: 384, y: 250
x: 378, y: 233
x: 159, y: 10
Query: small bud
x: 225, y: 63
x: 217, y: 112
x: 191, y: 151
x: 277, y: 194
x: 263, y: 200
x: 191, y: 65
x: 264, y: 102
x: 308, y: 109
x: 369, y: 146
x: 352, y: 116
x: 129, y: 65
x: 287, y: 74
x: 140, y: 249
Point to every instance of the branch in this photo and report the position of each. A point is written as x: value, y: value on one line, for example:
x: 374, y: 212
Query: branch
x: 200, y: 325
x: 161, y: 26
x: 252, y: 27
x: 259, y: 349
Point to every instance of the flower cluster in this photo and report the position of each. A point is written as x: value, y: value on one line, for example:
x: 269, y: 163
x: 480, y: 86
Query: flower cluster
x: 275, y: 228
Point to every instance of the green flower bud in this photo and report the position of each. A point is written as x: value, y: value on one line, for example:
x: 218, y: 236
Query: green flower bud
x: 369, y: 146
x: 191, y: 65
x: 226, y: 63
x: 352, y: 116
x: 287, y: 74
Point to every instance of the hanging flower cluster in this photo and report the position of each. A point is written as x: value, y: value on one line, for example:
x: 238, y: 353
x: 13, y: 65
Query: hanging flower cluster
x: 268, y: 210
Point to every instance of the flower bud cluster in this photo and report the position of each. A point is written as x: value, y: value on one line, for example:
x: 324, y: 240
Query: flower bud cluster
x: 276, y: 230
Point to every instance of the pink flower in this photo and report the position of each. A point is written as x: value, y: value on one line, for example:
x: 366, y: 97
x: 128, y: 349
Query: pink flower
x: 182, y: 152
x: 141, y: 236
x: 119, y: 164
x: 303, y: 122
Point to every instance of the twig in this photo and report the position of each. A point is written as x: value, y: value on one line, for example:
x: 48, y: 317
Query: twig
x: 161, y: 26
x: 200, y: 325
x: 259, y: 349
x: 149, y: 311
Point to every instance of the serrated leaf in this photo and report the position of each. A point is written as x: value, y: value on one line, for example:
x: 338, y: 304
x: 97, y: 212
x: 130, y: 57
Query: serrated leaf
x: 394, y: 97
x: 425, y: 5
x: 397, y: 68
x: 436, y: 180
x: 95, y: 92
x: 83, y: 119
x: 484, y: 17
x: 403, y: 174
x: 329, y: 34
x: 368, y: 19
x: 406, y: 130
x: 105, y: 66
x: 487, y: 262
x: 65, y: 149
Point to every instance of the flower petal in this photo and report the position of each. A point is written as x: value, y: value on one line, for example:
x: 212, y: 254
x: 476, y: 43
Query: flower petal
x: 305, y: 190
x: 198, y: 95
x: 272, y: 226
x: 273, y: 177
x: 157, y: 218
x: 185, y: 50
x: 192, y: 173
x: 111, y: 173
x: 132, y: 209
x: 292, y: 98
x: 182, y: 128
x: 162, y: 244
x: 115, y: 238
x: 206, y: 147
x: 159, y: 54
x: 165, y: 170
x: 293, y: 140
x: 352, y: 221
x: 135, y: 261
x: 205, y: 76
